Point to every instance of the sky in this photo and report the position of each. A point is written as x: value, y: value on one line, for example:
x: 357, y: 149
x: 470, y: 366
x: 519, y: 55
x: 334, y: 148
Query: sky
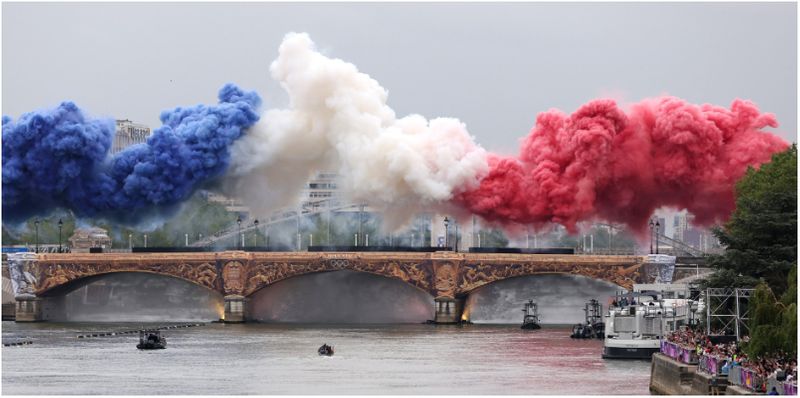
x: 494, y: 66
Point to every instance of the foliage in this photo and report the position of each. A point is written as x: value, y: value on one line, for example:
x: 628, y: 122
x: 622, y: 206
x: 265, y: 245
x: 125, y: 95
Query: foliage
x: 773, y: 323
x: 761, y: 236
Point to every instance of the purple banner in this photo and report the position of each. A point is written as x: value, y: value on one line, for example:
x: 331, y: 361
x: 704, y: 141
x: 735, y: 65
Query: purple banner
x: 789, y: 389
x: 677, y: 352
x: 710, y: 364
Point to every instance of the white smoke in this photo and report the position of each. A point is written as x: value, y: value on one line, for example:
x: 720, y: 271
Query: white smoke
x: 338, y: 120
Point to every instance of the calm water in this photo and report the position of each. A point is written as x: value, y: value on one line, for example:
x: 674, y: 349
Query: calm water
x: 282, y: 359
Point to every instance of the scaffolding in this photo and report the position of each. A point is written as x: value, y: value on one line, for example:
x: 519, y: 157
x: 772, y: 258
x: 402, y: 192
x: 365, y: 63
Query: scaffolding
x: 726, y: 310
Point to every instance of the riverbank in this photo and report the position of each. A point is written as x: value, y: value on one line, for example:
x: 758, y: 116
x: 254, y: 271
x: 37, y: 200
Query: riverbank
x: 671, y: 377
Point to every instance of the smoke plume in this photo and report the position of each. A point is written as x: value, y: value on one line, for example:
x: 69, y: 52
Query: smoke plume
x: 59, y: 158
x: 601, y: 163
x: 338, y: 120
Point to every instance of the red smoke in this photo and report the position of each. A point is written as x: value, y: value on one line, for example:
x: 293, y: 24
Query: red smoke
x: 601, y: 163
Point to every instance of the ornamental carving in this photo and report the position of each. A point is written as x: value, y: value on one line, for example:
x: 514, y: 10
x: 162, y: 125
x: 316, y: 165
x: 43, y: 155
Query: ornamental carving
x: 475, y: 275
x: 59, y: 273
x: 445, y: 280
x: 233, y: 277
x: 440, y: 274
x: 267, y: 273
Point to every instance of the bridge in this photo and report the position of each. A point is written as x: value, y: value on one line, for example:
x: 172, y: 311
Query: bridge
x: 236, y: 275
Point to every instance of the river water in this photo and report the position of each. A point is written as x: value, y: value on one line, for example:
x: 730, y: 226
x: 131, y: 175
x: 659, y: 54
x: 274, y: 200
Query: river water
x: 281, y: 359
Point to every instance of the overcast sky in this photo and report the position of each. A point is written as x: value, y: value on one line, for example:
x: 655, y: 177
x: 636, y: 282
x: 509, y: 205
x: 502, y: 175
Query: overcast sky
x: 494, y: 66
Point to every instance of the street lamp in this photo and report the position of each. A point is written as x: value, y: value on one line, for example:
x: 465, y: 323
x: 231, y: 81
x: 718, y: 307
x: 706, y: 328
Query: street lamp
x: 60, y: 224
x: 36, y: 224
x: 145, y: 240
x: 658, y: 228
x: 456, y: 247
x: 255, y: 235
x: 652, y: 225
x: 239, y: 221
x: 130, y: 241
x: 446, y: 232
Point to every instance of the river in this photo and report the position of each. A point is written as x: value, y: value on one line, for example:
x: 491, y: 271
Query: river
x: 281, y: 359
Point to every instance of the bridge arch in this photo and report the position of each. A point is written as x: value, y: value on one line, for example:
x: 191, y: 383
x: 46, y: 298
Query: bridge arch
x: 53, y: 274
x: 340, y: 296
x: 475, y: 274
x: 416, y: 274
x: 73, y: 284
x: 132, y: 296
x: 561, y: 298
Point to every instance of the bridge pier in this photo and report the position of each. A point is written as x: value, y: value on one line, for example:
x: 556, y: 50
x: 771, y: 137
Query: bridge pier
x: 28, y: 308
x: 234, y: 309
x: 448, y: 309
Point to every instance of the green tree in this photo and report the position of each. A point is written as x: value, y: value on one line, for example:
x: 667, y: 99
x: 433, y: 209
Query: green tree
x: 760, y: 239
x: 773, y: 323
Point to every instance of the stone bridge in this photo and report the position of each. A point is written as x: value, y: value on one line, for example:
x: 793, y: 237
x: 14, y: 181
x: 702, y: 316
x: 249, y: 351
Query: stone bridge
x: 448, y: 277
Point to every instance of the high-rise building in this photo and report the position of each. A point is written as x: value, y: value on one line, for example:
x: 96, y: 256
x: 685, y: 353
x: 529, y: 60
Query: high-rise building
x: 681, y: 225
x: 128, y: 133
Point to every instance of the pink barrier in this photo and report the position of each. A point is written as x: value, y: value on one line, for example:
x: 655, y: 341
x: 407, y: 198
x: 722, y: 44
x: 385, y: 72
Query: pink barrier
x: 710, y: 364
x: 789, y: 389
x: 677, y: 352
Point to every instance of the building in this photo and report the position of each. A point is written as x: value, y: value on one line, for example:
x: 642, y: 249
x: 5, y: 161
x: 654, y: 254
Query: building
x: 85, y: 238
x: 129, y: 133
x: 681, y: 224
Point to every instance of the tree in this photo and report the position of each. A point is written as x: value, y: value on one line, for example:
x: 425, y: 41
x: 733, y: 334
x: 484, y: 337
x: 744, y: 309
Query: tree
x: 773, y: 322
x: 760, y: 238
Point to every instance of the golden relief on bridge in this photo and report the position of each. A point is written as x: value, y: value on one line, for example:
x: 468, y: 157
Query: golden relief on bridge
x: 52, y: 273
x: 441, y: 274
x: 262, y: 274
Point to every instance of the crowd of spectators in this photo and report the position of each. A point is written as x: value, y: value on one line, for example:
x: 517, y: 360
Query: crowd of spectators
x: 781, y: 366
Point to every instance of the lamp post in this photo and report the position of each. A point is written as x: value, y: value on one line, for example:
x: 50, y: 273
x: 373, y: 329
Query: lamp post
x: 60, y: 224
x: 36, y: 224
x: 658, y: 228
x: 360, y: 224
x: 255, y: 235
x: 130, y: 242
x: 145, y: 240
x: 652, y: 225
x: 455, y: 248
x: 239, y: 221
x: 446, y: 232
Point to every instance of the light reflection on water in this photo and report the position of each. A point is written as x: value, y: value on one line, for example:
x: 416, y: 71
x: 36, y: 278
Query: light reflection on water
x: 282, y: 359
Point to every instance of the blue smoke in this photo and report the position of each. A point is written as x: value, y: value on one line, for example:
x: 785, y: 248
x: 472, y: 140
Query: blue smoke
x: 59, y: 158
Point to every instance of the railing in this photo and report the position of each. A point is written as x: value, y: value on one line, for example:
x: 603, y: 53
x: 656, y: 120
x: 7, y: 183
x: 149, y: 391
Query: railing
x: 747, y: 378
x: 782, y: 387
x: 678, y: 353
x: 710, y: 364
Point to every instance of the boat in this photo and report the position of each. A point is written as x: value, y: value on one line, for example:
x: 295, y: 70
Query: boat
x: 594, y: 326
x: 531, y: 319
x: 637, y: 321
x: 326, y: 350
x: 151, y: 340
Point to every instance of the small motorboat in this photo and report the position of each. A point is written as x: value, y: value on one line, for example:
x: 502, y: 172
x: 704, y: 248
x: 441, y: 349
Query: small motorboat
x: 531, y: 319
x: 151, y: 340
x: 326, y: 350
x: 594, y: 326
